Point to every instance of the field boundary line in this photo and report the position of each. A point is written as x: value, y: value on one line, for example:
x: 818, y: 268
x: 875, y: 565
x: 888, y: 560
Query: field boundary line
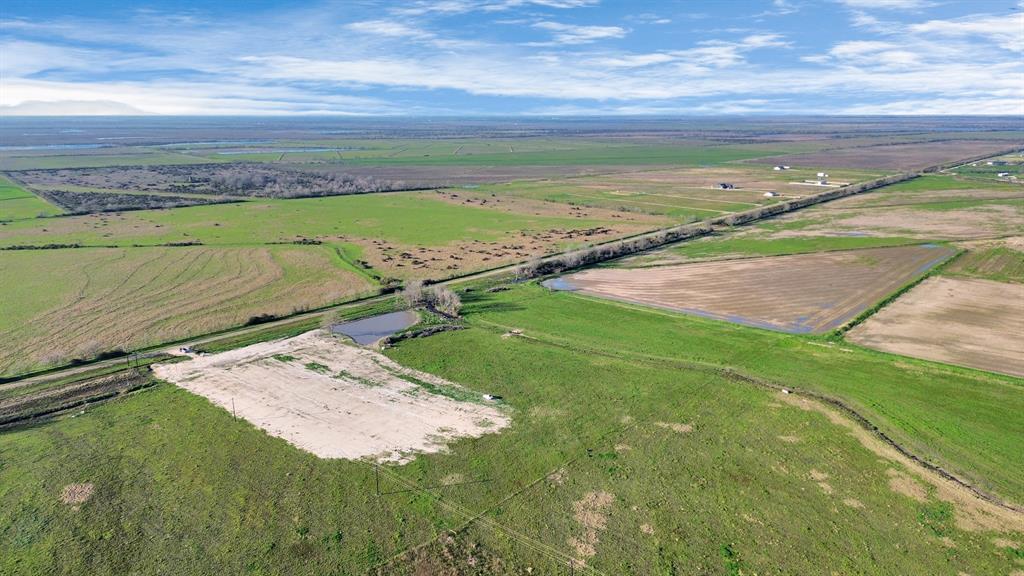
x: 840, y: 333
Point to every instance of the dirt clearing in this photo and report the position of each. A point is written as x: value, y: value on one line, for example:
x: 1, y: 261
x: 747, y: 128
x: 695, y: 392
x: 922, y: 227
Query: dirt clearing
x: 592, y: 515
x: 77, y: 494
x: 965, y: 321
x: 336, y: 400
x: 807, y: 293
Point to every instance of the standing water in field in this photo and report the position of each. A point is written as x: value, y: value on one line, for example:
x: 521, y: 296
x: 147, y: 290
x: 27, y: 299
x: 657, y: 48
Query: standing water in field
x: 369, y: 330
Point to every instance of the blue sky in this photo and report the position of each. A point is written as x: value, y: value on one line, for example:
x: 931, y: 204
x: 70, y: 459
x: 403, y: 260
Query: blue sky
x: 513, y: 57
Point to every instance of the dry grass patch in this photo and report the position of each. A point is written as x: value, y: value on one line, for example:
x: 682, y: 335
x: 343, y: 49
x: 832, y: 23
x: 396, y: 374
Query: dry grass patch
x: 77, y: 494
x: 675, y: 427
x: 592, y: 515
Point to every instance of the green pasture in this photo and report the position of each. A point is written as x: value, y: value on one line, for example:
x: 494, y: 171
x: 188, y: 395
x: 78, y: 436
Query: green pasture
x: 998, y: 263
x: 179, y: 480
x: 933, y: 182
x: 754, y: 245
x: 141, y: 158
x: 404, y: 217
x: 17, y: 203
x: 967, y: 420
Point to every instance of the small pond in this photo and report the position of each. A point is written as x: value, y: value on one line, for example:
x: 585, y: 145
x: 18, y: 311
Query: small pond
x: 561, y: 284
x: 369, y: 330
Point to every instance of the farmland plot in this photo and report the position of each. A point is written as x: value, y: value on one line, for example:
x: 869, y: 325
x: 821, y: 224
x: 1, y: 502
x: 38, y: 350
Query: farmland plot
x: 953, y: 220
x: 970, y: 322
x: 810, y: 293
x: 17, y: 203
x: 79, y: 302
x: 893, y: 156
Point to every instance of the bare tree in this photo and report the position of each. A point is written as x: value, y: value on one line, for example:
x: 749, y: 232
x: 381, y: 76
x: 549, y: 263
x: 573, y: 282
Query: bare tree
x: 413, y: 293
x: 445, y: 300
x: 529, y: 269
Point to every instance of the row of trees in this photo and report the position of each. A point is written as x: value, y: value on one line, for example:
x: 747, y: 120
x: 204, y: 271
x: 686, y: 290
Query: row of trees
x: 607, y: 251
x: 444, y: 300
x: 783, y: 207
x: 436, y: 298
x: 247, y: 180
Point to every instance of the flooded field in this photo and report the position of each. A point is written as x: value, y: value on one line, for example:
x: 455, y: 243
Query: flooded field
x: 807, y: 293
x: 369, y: 330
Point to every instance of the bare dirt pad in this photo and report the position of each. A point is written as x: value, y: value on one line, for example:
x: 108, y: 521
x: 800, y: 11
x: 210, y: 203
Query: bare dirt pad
x: 970, y: 322
x: 807, y: 293
x: 336, y: 400
x: 76, y: 494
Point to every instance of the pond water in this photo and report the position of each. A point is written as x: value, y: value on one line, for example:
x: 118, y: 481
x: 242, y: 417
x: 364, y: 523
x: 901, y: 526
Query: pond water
x: 560, y: 284
x: 369, y: 330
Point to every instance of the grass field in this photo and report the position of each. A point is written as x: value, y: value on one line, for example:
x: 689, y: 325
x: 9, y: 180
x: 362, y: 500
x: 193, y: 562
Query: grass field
x: 533, y: 151
x: 755, y: 246
x: 404, y: 217
x: 629, y: 451
x: 993, y: 262
x: 926, y: 219
x: 133, y: 158
x: 933, y: 182
x: 63, y: 304
x: 639, y: 440
x: 392, y: 151
x: 681, y: 193
x: 16, y: 203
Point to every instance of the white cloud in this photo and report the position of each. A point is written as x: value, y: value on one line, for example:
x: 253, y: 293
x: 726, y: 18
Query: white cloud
x: 887, y: 4
x: 386, y: 28
x: 22, y: 58
x: 1005, y: 31
x: 449, y: 7
x: 179, y: 97
x: 328, y: 63
x: 573, y: 34
x: 71, y: 108
x: 974, y: 106
x: 633, y: 60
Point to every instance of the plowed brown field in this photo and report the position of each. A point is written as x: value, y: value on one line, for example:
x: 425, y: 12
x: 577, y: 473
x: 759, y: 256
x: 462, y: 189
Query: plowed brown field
x: 807, y: 293
x: 965, y: 321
